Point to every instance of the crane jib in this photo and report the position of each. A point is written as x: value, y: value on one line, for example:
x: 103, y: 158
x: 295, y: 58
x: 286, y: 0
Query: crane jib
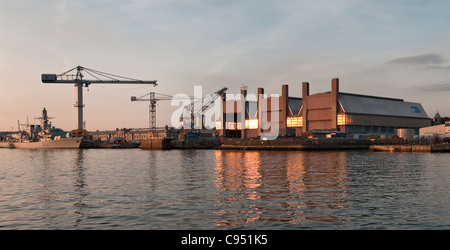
x: 52, y: 78
x: 79, y: 80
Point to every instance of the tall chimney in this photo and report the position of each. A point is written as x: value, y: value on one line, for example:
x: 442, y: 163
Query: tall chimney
x: 305, y: 94
x: 224, y: 114
x: 284, y: 109
x: 334, y: 102
x: 260, y: 93
x: 243, y: 110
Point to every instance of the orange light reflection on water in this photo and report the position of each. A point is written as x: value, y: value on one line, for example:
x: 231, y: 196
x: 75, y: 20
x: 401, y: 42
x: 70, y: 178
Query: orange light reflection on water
x: 252, y: 185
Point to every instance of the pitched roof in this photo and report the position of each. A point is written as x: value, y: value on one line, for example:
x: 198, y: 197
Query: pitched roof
x: 295, y: 104
x: 373, y: 105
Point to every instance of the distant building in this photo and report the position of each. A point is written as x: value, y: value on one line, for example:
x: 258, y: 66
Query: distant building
x: 441, y: 130
x: 354, y: 115
x: 133, y: 134
x: 437, y: 119
x: 145, y: 133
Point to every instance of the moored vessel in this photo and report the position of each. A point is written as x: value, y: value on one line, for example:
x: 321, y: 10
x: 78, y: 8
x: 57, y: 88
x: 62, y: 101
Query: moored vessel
x: 42, y: 136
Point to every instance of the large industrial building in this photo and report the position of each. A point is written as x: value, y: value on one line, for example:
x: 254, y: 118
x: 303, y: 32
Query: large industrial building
x: 353, y: 115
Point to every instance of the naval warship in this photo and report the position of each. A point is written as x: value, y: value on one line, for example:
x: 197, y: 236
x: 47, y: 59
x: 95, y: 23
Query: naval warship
x: 42, y: 136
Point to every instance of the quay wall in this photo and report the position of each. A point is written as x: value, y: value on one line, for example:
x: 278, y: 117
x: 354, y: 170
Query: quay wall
x: 441, y: 147
x: 156, y: 144
x: 294, y: 144
x: 167, y: 143
x: 200, y: 143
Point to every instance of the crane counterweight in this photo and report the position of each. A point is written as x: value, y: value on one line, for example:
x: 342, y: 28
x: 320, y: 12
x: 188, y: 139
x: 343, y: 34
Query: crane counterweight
x: 48, y: 78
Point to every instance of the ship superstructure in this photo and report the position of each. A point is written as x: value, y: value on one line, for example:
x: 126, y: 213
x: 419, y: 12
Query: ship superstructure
x: 43, y: 135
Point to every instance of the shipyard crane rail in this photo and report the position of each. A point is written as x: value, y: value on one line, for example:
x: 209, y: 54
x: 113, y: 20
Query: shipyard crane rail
x: 197, y: 107
x: 153, y: 99
x: 78, y: 79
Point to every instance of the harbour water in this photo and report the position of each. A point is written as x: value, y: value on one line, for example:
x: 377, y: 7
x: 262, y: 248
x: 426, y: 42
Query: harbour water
x: 223, y: 189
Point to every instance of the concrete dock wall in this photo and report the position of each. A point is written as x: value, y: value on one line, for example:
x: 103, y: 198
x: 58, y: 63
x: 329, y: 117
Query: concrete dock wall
x: 201, y: 143
x: 165, y: 144
x: 443, y: 147
x: 156, y: 144
x: 293, y: 144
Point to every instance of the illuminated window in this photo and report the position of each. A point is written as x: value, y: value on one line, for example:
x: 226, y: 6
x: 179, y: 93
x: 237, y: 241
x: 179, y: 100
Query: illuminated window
x: 218, y: 125
x: 231, y: 125
x: 251, y: 124
x: 341, y: 119
x: 295, y: 121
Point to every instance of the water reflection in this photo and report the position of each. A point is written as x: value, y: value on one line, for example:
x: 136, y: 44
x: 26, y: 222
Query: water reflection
x: 79, y: 187
x: 47, y: 180
x: 206, y: 189
x: 279, y: 187
x: 62, y: 205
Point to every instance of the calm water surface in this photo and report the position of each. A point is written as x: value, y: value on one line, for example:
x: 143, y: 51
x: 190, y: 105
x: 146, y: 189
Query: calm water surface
x: 208, y: 189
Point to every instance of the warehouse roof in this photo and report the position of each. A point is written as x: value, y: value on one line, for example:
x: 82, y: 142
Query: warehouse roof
x: 373, y: 105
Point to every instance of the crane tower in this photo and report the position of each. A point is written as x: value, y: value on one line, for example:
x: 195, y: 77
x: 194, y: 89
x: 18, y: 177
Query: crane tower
x: 190, y: 111
x: 79, y: 80
x: 197, y: 107
x: 153, y: 99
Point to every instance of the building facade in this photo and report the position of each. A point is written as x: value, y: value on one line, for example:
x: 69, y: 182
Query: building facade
x: 441, y: 130
x: 354, y: 115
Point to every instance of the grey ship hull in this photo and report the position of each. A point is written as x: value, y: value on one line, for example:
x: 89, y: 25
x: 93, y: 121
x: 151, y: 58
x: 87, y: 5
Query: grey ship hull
x: 57, y: 144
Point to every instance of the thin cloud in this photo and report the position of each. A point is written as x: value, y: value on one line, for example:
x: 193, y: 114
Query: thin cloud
x: 425, y: 59
x: 442, y: 87
x: 437, y: 67
x: 61, y: 16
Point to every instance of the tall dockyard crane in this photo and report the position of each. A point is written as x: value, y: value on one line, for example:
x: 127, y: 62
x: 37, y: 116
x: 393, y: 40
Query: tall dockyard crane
x: 190, y: 111
x: 152, y: 107
x: 79, y: 81
x: 197, y: 107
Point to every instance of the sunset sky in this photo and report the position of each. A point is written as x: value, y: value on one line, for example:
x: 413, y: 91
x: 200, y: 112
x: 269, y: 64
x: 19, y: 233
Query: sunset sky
x: 390, y: 48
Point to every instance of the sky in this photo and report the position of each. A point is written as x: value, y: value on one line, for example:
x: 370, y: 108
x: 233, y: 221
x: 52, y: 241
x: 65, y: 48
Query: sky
x: 390, y: 48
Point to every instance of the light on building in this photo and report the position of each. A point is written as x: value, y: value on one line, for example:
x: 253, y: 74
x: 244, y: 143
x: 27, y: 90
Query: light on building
x: 295, y: 121
x: 251, y: 124
x: 342, y: 119
x: 232, y: 125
